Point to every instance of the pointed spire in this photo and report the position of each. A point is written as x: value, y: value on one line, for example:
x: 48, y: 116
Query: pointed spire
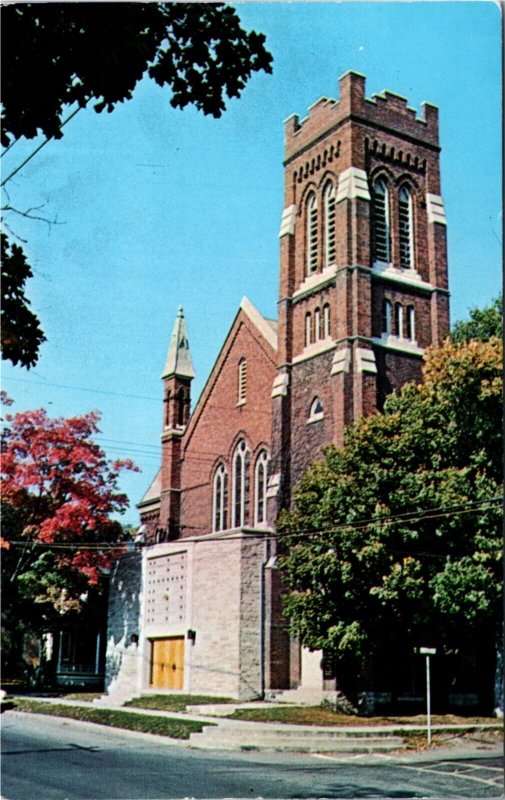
x: 179, y: 358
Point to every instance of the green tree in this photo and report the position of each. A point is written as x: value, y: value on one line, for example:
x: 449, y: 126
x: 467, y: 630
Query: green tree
x: 59, y: 493
x: 56, y: 55
x: 483, y: 323
x: 396, y: 538
x: 21, y: 332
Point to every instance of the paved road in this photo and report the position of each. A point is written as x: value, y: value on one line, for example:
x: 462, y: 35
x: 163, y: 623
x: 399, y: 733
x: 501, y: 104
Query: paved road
x: 46, y: 758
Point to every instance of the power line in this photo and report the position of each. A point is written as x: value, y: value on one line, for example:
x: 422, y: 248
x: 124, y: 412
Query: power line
x: 83, y: 389
x: 37, y: 149
x: 414, y: 516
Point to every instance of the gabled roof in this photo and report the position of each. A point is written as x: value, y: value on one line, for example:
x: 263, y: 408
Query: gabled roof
x: 178, y: 357
x: 153, y: 493
x: 268, y: 332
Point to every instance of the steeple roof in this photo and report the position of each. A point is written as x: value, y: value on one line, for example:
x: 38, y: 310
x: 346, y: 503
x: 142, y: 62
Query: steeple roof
x: 179, y: 358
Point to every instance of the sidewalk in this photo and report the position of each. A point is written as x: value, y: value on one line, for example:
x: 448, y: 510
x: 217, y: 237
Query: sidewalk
x: 344, y: 741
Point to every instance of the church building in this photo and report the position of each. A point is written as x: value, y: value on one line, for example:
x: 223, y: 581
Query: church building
x: 362, y: 293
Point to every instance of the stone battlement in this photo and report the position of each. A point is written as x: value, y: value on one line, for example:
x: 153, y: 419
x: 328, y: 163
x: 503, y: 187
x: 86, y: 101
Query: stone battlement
x: 385, y: 110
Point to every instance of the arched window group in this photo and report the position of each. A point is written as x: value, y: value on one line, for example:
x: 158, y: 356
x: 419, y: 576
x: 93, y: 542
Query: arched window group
x: 240, y: 490
x: 398, y: 320
x: 317, y: 325
x: 314, y: 234
x: 381, y: 224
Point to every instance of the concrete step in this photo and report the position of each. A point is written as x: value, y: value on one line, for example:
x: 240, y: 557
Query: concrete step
x: 223, y: 739
x: 225, y: 709
x: 114, y: 699
x: 304, y: 696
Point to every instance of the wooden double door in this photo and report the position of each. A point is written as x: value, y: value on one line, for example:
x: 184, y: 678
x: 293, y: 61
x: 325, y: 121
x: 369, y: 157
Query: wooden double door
x: 167, y: 663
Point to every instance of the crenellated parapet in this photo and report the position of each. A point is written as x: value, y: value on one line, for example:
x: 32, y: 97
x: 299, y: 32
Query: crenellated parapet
x: 384, y: 111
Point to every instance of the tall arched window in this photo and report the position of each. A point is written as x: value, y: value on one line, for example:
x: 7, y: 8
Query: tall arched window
x: 326, y: 320
x: 399, y: 320
x: 242, y: 381
x: 220, y: 504
x: 405, y: 214
x: 317, y: 324
x: 241, y: 462
x: 380, y: 220
x: 308, y: 328
x: 411, y: 323
x: 311, y: 234
x: 386, y: 316
x: 260, y: 488
x: 329, y: 224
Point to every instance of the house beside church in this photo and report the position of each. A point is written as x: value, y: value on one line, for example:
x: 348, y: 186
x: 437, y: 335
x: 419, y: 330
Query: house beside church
x: 363, y: 292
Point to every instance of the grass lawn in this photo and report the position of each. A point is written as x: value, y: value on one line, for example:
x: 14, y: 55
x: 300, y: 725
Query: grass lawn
x: 175, y: 702
x: 318, y: 715
x: 163, y: 726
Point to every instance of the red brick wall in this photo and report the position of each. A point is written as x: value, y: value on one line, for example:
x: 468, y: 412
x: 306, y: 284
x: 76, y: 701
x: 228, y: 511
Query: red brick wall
x: 218, y: 423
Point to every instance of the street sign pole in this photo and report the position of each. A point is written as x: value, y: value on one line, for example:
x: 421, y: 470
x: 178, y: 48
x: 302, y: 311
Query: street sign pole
x: 428, y: 698
x: 428, y: 651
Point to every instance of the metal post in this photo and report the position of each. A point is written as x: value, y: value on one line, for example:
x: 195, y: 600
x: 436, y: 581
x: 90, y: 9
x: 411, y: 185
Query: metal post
x: 428, y: 698
x: 428, y: 651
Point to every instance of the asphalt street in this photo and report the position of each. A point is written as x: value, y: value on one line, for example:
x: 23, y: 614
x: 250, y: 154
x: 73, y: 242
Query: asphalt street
x: 45, y: 758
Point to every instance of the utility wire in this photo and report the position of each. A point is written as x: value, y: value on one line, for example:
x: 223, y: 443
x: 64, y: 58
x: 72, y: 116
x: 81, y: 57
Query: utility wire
x: 416, y: 516
x: 37, y: 149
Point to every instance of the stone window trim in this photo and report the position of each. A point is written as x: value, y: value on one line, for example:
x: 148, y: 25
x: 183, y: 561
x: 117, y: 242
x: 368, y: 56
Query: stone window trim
x: 407, y: 277
x: 392, y: 342
x: 316, y: 412
x: 220, y: 499
x: 261, y: 488
x: 242, y: 382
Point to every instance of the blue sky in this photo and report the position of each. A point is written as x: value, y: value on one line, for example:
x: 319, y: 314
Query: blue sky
x: 159, y: 207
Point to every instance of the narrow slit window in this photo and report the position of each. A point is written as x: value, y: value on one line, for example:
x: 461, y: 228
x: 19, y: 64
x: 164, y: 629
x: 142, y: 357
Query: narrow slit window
x: 311, y: 234
x: 399, y: 320
x: 411, y: 323
x: 329, y: 224
x: 406, y: 228
x: 326, y: 321
x: 242, y: 381
x: 380, y: 221
x: 308, y: 328
x: 181, y: 402
x: 260, y: 488
x: 386, y: 316
x: 220, y: 498
x: 317, y: 324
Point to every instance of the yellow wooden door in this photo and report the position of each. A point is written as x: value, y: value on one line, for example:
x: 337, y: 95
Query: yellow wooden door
x: 167, y: 666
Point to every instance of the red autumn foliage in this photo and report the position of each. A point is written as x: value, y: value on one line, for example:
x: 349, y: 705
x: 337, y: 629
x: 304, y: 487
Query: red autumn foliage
x: 63, y: 486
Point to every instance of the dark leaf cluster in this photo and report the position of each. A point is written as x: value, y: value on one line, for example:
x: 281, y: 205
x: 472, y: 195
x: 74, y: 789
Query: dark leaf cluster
x: 58, y: 54
x: 21, y: 331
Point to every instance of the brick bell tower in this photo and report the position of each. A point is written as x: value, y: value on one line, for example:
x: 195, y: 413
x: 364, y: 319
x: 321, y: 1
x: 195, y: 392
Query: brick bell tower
x: 363, y: 269
x: 177, y: 376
